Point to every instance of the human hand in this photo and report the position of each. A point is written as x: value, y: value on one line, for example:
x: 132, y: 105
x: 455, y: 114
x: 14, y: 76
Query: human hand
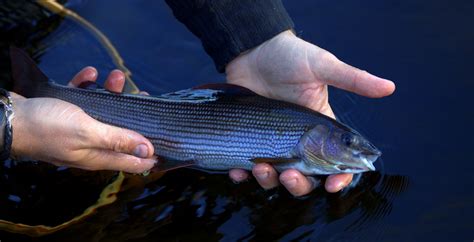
x: 291, y: 69
x: 61, y: 133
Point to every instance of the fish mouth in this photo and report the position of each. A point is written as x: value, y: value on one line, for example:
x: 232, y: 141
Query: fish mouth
x: 368, y: 158
x: 368, y: 155
x: 366, y: 162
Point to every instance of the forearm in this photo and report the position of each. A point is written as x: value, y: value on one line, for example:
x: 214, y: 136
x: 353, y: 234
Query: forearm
x: 227, y: 28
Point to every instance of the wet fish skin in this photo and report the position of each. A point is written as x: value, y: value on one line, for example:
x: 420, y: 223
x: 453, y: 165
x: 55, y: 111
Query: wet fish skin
x: 218, y: 135
x: 216, y: 127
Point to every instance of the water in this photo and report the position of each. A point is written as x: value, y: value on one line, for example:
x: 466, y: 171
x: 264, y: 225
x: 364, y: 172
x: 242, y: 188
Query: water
x: 423, y: 188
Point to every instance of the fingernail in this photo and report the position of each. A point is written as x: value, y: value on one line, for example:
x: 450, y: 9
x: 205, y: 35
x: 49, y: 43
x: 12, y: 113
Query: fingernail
x: 336, y: 186
x: 261, y: 175
x: 91, y: 74
x: 141, y: 151
x: 290, y: 183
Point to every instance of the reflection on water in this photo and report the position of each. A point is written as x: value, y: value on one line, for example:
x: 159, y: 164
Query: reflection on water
x: 35, y: 194
x: 201, y: 204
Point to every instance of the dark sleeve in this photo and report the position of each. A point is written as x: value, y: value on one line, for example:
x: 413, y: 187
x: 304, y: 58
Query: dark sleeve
x: 227, y: 28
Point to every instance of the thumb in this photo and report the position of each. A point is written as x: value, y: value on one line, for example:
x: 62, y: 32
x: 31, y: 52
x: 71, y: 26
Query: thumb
x: 341, y: 75
x: 121, y: 140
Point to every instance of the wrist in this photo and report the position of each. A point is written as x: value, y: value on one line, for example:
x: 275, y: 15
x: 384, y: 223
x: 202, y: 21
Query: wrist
x: 227, y: 28
x: 17, y: 147
x: 237, y: 61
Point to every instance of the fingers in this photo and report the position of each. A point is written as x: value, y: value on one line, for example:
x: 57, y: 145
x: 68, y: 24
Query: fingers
x: 110, y: 160
x: 344, y: 76
x: 87, y: 74
x: 238, y: 175
x: 115, y: 81
x: 120, y: 140
x: 335, y: 183
x: 265, y: 175
x: 296, y: 183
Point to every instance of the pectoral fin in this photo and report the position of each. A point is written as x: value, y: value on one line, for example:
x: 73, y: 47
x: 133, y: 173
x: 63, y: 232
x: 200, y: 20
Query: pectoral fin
x: 274, y: 160
x: 166, y: 164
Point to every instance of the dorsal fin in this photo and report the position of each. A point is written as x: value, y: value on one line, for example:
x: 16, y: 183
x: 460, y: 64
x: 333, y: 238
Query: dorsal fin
x: 167, y: 164
x: 190, y: 95
x: 227, y: 89
x: 206, y: 93
x: 26, y: 74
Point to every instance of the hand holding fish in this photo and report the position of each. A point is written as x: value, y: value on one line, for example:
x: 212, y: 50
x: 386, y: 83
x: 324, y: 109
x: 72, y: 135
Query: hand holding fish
x: 63, y: 134
x: 291, y: 69
x: 187, y: 128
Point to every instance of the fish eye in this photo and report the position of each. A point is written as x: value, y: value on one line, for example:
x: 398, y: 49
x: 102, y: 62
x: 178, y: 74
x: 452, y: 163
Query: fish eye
x: 347, y: 139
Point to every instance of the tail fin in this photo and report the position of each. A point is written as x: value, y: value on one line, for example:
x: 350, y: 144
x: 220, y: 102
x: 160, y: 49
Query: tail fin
x: 26, y: 74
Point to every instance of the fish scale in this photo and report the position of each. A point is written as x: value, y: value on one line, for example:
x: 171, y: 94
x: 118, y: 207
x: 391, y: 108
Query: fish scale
x: 218, y: 135
x: 216, y: 126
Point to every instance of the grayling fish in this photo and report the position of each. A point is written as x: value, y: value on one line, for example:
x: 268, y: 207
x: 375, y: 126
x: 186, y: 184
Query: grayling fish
x: 216, y: 126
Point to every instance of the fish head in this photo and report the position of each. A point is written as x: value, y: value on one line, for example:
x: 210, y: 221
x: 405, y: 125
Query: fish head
x: 336, y: 149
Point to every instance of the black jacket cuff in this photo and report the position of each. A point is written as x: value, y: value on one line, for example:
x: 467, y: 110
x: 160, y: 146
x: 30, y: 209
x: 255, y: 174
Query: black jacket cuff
x: 227, y: 28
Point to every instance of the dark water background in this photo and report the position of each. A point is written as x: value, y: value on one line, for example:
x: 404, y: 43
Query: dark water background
x: 422, y: 191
